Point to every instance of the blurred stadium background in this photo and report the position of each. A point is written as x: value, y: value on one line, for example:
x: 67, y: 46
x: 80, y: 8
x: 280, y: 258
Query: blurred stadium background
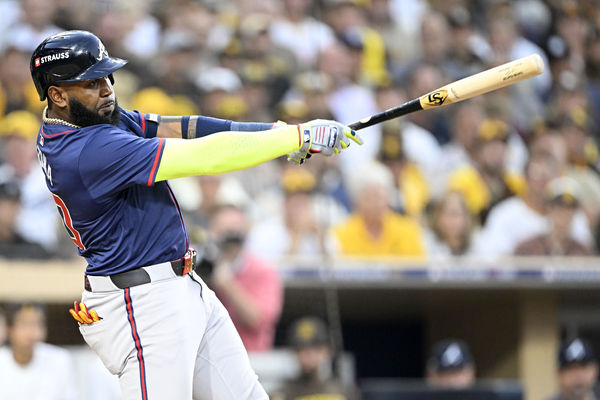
x: 479, y: 221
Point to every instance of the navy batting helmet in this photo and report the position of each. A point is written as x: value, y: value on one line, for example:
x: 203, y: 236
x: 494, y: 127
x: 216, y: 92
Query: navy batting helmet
x: 71, y: 56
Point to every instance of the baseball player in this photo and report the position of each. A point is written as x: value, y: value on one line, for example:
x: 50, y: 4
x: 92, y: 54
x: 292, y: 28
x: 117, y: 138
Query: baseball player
x: 154, y: 322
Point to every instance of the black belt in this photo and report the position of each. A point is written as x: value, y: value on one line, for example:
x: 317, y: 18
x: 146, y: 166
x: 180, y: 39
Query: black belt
x: 140, y: 276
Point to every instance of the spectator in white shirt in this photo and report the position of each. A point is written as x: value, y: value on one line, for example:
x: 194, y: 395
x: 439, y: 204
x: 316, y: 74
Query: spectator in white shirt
x: 296, y: 230
x: 519, y: 218
x: 301, y: 33
x: 31, y: 369
x: 452, y: 228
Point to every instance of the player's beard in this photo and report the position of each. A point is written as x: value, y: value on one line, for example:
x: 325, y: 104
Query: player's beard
x: 83, y: 116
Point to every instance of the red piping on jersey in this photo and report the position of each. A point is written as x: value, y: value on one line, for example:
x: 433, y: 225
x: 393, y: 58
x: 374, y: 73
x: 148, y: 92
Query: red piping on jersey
x: 54, y: 134
x: 138, y: 343
x: 153, y: 170
x: 143, y: 124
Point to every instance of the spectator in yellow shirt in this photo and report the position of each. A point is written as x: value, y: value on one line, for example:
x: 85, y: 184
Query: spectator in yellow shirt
x: 411, y: 190
x: 487, y: 181
x: 374, y: 230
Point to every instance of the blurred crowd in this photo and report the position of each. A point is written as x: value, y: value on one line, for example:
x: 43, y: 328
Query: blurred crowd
x: 511, y: 172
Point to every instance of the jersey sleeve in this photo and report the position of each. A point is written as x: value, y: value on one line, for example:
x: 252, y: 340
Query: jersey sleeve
x: 113, y: 159
x: 142, y: 124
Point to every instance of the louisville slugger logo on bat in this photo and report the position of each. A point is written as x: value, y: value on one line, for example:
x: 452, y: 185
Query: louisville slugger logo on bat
x: 473, y: 85
x: 435, y: 98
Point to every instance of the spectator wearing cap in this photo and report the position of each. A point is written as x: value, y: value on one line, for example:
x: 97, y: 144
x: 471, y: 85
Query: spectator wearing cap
x: 256, y: 82
x: 461, y: 149
x: 221, y: 93
x: 469, y: 49
x: 374, y: 230
x: 487, y: 181
x: 404, y: 150
x: 411, y: 190
x: 259, y: 60
x: 583, y: 160
x: 348, y: 19
x: 577, y: 371
x: 309, y: 337
x: 563, y: 202
x: 450, y: 365
x: 517, y: 219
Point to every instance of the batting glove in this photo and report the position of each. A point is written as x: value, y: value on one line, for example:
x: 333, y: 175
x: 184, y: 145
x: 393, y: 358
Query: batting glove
x: 323, y: 137
x: 82, y: 315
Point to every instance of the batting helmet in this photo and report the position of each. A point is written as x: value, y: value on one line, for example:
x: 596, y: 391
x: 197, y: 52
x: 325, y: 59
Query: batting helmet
x: 71, y: 56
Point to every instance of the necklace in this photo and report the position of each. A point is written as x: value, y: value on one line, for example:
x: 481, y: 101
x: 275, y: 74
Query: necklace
x: 56, y: 121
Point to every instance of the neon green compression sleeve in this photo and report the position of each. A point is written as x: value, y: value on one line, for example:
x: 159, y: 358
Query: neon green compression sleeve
x: 225, y: 152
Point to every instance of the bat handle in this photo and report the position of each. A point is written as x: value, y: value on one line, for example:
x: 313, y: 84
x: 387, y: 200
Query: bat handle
x: 406, y: 108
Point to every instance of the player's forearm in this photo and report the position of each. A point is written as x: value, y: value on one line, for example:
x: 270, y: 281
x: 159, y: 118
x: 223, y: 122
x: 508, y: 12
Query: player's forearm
x: 225, y: 152
x: 194, y: 126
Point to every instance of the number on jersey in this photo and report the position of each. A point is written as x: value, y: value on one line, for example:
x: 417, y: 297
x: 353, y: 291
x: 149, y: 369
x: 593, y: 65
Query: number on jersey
x: 68, y: 222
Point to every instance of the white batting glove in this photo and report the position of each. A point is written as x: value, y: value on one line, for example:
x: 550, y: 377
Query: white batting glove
x: 323, y: 137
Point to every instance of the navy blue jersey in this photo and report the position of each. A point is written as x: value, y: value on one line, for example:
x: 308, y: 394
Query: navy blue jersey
x: 102, y: 180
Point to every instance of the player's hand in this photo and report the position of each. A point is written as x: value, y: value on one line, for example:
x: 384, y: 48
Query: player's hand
x: 326, y: 137
x: 298, y: 157
x: 82, y: 315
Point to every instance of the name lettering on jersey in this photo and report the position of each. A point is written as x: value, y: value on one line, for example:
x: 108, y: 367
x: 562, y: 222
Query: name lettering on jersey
x: 52, y: 57
x: 44, y: 164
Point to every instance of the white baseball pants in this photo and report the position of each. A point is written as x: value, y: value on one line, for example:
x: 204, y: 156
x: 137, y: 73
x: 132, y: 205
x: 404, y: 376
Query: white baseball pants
x: 170, y: 339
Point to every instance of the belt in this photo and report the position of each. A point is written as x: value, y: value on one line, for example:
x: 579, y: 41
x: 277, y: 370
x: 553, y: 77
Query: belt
x: 142, y: 275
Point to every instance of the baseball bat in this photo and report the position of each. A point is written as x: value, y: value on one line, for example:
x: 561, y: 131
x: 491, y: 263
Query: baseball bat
x: 471, y: 86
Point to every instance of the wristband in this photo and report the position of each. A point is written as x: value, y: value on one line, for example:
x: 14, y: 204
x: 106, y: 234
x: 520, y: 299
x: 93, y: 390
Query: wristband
x: 197, y: 126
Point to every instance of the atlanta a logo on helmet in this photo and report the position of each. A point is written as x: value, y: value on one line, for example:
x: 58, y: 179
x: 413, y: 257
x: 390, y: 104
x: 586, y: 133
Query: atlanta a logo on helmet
x: 101, y: 51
